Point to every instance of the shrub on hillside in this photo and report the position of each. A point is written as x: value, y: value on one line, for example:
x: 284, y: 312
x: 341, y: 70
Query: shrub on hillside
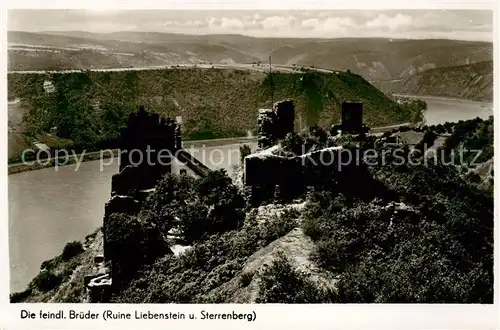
x: 280, y: 225
x: 50, y: 264
x: 314, y: 139
x: 72, y: 249
x: 281, y: 283
x: 197, y: 207
x: 461, y: 131
x: 293, y: 143
x: 46, y: 281
x: 163, y: 206
x: 130, y: 244
x: 427, y: 142
x: 246, y: 278
x: 434, y: 247
x: 17, y: 297
x: 226, y: 204
x: 217, y: 208
x: 206, y: 265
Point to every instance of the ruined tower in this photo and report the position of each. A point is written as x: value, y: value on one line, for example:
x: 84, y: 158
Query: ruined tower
x: 352, y: 117
x: 148, y: 143
x: 275, y: 124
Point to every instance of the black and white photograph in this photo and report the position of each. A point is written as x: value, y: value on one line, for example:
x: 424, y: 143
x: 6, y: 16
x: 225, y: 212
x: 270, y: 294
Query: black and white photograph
x: 160, y: 156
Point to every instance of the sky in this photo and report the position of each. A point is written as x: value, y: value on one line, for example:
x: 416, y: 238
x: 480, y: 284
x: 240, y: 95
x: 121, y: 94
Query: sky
x: 413, y: 24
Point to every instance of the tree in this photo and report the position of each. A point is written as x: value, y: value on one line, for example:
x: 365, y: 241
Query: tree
x: 72, y: 249
x: 198, y: 207
x: 131, y: 243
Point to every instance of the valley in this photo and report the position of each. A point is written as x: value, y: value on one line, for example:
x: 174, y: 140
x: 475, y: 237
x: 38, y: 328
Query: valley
x: 266, y: 219
x: 376, y: 59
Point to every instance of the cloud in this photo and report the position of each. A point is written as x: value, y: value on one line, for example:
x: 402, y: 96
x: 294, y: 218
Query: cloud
x: 277, y: 22
x: 311, y: 23
x: 327, y: 24
x: 391, y: 23
x: 338, y: 23
x: 185, y: 24
x: 332, y: 26
x: 230, y: 23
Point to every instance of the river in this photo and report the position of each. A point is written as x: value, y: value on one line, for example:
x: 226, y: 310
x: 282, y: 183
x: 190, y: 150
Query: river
x: 48, y: 208
x: 441, y: 110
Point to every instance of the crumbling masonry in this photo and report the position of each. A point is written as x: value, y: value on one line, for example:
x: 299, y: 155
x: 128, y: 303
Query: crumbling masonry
x: 269, y: 176
x: 147, y: 146
x: 275, y: 124
x: 149, y: 142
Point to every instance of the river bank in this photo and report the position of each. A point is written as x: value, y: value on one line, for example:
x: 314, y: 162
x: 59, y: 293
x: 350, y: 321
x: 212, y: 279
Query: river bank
x: 443, y: 98
x: 98, y: 155
x: 40, y: 164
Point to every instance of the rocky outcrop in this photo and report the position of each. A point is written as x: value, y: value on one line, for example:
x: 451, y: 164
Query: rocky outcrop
x: 298, y: 247
x: 98, y: 282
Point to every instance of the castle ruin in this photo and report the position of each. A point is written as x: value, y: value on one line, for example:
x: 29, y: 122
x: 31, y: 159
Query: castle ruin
x: 147, y: 145
x: 266, y: 174
x: 269, y: 175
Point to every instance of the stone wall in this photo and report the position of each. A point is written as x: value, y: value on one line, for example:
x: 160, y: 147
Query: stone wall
x: 275, y: 177
x: 98, y: 282
x: 265, y: 168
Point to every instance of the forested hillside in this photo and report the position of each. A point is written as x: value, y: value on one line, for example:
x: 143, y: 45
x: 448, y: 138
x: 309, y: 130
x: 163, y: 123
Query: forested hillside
x: 472, y: 82
x: 88, y: 108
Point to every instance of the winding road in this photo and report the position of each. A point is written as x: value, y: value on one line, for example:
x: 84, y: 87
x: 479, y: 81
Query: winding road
x: 241, y: 66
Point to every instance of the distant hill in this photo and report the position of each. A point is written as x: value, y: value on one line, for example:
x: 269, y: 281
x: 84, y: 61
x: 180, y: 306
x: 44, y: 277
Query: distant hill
x: 471, y: 82
x: 374, y: 58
